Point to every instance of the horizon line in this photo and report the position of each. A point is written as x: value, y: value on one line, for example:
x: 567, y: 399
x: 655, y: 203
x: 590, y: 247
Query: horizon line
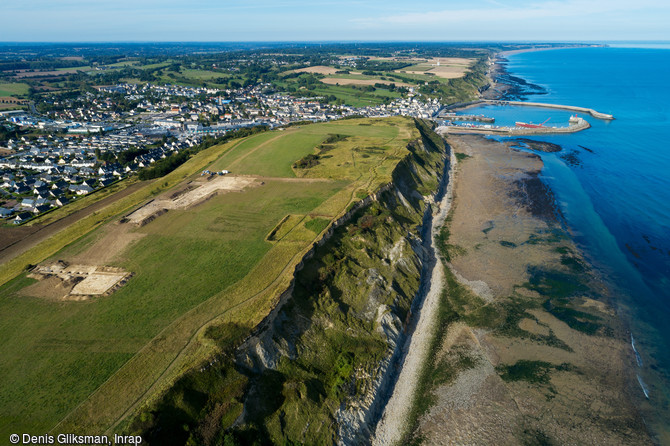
x: 528, y: 41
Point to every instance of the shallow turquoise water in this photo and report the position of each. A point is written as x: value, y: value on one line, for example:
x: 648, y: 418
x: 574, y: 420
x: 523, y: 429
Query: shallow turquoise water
x: 612, y: 183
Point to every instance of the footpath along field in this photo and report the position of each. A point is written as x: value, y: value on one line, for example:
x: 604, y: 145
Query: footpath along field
x: 84, y: 363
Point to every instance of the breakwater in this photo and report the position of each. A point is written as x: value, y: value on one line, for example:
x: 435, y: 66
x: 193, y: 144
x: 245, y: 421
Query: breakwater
x: 572, y: 108
x: 590, y: 111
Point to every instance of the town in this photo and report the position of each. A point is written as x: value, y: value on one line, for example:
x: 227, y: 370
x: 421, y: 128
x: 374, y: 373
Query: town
x: 79, y: 145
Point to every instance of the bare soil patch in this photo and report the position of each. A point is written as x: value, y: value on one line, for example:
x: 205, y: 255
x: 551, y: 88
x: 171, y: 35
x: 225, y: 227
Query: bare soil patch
x: 192, y: 194
x: 61, y: 280
x: 446, y: 61
x: 532, y: 326
x: 318, y: 69
x: 444, y: 67
x: 445, y: 72
x: 50, y: 287
x: 113, y: 241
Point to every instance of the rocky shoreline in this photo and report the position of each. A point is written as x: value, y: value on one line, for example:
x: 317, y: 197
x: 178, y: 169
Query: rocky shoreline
x: 541, y: 358
x: 507, y: 87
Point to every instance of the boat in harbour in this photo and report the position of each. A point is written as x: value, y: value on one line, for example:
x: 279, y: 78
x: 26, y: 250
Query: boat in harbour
x: 531, y: 125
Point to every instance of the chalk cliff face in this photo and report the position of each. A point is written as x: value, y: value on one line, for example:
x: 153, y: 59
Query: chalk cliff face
x: 321, y: 365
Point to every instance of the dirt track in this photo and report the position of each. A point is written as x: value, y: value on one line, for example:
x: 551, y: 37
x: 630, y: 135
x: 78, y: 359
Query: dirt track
x: 14, y: 241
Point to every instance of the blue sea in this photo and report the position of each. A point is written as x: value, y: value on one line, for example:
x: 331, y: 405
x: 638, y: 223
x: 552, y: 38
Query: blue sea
x: 612, y: 184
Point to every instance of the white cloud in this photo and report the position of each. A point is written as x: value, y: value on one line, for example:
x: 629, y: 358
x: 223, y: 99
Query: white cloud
x: 498, y: 12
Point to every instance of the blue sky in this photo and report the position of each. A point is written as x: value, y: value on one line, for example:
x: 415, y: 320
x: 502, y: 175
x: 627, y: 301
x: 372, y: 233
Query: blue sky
x: 291, y: 20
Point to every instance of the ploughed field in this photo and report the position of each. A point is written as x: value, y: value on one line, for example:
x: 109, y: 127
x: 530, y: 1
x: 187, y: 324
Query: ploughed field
x: 97, y: 329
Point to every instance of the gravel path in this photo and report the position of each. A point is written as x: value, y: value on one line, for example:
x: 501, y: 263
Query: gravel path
x: 393, y: 423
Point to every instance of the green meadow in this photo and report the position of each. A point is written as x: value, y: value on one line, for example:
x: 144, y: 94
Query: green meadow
x: 13, y: 89
x: 97, y: 361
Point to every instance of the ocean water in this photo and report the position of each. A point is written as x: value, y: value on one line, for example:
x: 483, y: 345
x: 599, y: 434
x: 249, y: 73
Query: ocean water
x: 612, y: 183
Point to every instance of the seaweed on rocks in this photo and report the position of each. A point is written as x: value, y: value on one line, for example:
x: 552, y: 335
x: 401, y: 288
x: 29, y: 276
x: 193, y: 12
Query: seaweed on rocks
x: 572, y: 159
x: 536, y: 197
x: 539, y: 146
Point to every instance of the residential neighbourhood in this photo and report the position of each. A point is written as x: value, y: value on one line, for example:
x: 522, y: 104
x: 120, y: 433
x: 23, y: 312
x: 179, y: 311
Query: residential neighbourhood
x: 68, y: 150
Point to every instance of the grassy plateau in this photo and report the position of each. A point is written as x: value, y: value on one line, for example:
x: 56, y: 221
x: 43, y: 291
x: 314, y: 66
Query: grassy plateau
x: 98, y: 360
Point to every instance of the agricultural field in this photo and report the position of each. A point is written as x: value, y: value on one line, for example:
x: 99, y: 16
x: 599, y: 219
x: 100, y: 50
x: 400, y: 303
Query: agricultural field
x: 352, y: 89
x: 318, y: 69
x: 365, y: 86
x: 191, y: 77
x: 125, y: 63
x: 355, y: 97
x: 13, y: 89
x: 362, y: 80
x: 202, y: 75
x: 211, y: 249
x: 154, y: 65
x: 442, y: 67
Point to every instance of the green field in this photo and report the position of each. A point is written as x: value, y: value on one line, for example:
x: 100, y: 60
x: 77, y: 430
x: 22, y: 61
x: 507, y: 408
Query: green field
x: 94, y: 339
x: 270, y: 154
x: 419, y: 78
x: 96, y: 360
x: 154, y: 65
x: 348, y: 94
x: 202, y: 75
x: 357, y: 98
x: 356, y: 76
x: 125, y: 63
x: 13, y: 89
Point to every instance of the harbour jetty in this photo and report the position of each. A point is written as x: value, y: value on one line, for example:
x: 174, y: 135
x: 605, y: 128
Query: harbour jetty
x: 572, y: 108
x: 590, y: 111
x: 577, y: 124
x: 451, y: 116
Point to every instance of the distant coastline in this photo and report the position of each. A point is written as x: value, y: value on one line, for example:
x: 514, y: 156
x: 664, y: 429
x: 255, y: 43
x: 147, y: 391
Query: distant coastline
x: 508, y: 87
x: 534, y: 49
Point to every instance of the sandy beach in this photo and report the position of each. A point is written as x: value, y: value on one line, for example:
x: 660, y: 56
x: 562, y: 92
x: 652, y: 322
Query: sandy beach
x: 525, y: 361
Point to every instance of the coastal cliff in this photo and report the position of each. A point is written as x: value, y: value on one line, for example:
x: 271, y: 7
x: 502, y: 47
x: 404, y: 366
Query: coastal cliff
x: 319, y: 368
x: 328, y: 354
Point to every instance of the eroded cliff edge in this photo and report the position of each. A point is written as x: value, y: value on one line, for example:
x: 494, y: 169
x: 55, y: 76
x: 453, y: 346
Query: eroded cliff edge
x: 322, y: 366
x: 318, y: 369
